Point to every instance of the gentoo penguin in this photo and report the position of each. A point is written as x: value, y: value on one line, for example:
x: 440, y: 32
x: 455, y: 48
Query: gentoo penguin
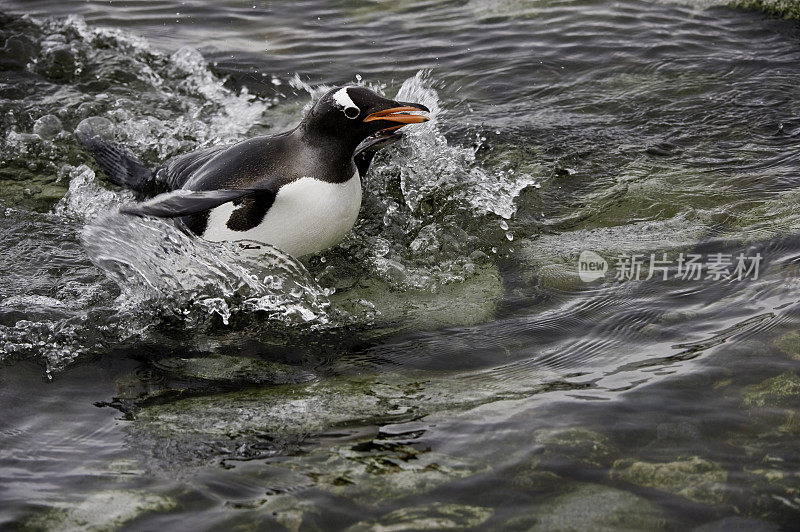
x: 299, y: 191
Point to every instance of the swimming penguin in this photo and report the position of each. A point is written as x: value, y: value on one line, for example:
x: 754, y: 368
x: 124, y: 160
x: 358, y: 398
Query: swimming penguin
x: 299, y: 191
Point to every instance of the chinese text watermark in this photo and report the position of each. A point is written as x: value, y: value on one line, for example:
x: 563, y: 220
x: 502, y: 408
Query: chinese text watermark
x: 664, y: 266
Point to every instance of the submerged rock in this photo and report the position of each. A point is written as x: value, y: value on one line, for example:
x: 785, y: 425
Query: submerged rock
x: 771, y: 493
x: 47, y: 126
x: 291, y: 512
x: 436, y: 516
x: 16, y: 52
x: 380, y: 471
x: 95, y: 124
x: 681, y: 438
x: 774, y: 404
x: 356, y: 400
x: 58, y: 63
x: 377, y: 471
x: 465, y: 302
x: 789, y: 343
x: 775, y: 8
x: 107, y: 510
x: 737, y: 524
x: 557, y: 277
x: 226, y: 368
x: 540, y: 482
x: 276, y: 409
x: 776, y: 391
x: 768, y: 485
x: 572, y: 446
x: 592, y: 507
x: 694, y: 478
x: 173, y: 378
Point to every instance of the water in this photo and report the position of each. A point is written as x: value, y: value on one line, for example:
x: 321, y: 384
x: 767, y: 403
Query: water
x: 445, y: 365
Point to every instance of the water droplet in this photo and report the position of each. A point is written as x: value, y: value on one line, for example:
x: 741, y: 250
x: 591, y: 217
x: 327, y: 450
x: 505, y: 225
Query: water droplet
x: 504, y: 225
x: 381, y: 247
x: 47, y: 126
x: 494, y: 250
x: 358, y: 77
x: 510, y: 236
x: 323, y: 260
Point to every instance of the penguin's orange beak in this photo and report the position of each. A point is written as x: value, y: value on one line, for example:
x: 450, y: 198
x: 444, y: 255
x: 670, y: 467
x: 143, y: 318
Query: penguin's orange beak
x: 398, y: 114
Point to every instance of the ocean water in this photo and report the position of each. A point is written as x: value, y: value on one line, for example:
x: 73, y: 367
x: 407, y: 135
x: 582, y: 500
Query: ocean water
x: 454, y: 363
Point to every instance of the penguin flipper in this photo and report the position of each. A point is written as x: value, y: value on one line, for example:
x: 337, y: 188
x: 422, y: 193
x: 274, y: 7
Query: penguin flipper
x: 185, y: 202
x: 174, y: 173
x: 121, y: 167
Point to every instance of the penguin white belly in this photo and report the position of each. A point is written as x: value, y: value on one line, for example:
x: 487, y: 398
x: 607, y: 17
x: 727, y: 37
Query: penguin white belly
x: 307, y: 216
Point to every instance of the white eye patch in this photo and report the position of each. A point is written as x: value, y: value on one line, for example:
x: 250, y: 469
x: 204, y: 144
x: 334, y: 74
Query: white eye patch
x: 343, y: 100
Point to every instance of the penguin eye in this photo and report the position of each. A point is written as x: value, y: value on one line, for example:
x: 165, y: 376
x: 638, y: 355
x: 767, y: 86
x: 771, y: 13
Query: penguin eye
x: 352, y: 112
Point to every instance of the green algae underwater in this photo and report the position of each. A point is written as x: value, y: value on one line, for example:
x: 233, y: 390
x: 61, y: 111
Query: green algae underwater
x: 445, y: 367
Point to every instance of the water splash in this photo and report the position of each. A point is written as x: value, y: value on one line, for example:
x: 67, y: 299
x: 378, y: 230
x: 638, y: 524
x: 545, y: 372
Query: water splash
x: 144, y: 275
x: 154, y: 262
x: 427, y: 203
x: 441, y: 169
x: 158, y: 103
x: 85, y: 199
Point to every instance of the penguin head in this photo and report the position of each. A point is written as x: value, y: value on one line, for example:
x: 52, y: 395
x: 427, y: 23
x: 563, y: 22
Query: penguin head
x: 350, y: 114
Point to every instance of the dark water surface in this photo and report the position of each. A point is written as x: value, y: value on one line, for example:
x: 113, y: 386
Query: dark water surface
x: 445, y: 366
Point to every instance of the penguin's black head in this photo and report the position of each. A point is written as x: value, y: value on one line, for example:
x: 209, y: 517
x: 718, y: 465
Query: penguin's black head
x: 349, y: 115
